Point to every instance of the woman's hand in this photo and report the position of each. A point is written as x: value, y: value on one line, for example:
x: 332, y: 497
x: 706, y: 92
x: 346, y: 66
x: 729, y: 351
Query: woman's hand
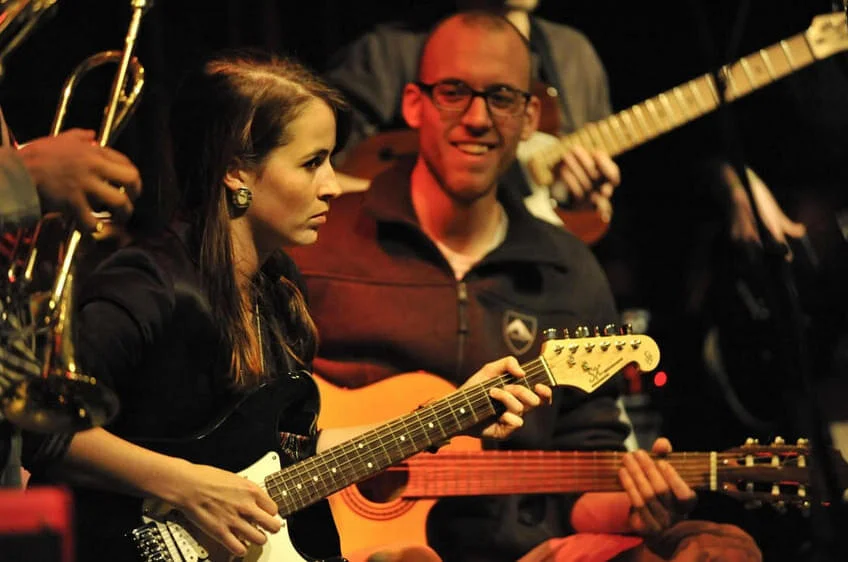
x: 517, y: 399
x: 229, y: 508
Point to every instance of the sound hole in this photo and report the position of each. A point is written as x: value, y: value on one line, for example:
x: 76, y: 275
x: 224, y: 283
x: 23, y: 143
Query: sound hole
x: 384, y: 487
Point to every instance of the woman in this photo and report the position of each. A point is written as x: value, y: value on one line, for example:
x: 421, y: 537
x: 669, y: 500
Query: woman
x: 203, y: 316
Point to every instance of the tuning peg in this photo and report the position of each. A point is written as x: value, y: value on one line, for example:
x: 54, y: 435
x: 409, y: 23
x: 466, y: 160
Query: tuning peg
x: 803, y: 442
x: 626, y: 330
x: 780, y: 507
x: 751, y: 441
x: 778, y: 441
x: 609, y: 330
x: 549, y: 334
x: 565, y: 334
x: 596, y: 332
x: 581, y: 332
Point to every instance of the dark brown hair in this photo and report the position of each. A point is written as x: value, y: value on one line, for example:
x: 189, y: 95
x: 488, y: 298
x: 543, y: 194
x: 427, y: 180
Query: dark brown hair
x: 233, y: 113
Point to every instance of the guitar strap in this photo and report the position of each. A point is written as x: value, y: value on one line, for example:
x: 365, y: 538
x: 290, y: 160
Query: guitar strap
x: 541, y: 46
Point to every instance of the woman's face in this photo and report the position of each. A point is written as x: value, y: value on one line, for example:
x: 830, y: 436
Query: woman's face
x: 292, y: 192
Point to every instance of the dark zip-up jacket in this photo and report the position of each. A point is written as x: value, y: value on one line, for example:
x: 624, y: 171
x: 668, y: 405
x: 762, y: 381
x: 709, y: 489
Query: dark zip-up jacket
x: 387, y: 302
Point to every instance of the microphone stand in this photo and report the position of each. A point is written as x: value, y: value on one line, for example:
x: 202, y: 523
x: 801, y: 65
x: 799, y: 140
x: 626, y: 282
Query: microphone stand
x: 797, y: 389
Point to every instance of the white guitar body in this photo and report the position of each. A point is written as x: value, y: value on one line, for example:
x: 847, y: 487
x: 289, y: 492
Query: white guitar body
x: 185, y: 543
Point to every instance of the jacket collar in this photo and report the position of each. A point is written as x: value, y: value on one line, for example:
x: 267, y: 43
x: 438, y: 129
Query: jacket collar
x: 528, y: 239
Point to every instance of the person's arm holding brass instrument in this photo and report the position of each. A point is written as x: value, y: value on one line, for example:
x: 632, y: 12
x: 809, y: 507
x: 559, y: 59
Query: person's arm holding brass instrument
x: 71, y: 172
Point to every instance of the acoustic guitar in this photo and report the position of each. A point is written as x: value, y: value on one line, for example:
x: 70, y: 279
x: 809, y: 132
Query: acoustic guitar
x: 389, y: 512
x: 540, y: 155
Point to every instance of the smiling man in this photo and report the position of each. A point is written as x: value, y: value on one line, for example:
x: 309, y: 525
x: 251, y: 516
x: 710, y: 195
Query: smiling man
x: 437, y: 268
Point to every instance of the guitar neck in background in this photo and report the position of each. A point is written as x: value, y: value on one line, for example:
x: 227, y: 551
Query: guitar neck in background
x: 660, y: 114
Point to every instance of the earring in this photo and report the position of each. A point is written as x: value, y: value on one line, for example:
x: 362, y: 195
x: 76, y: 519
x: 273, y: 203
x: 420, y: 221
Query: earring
x: 241, y: 197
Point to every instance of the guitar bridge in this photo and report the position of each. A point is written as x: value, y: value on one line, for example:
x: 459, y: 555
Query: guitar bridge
x: 168, y: 541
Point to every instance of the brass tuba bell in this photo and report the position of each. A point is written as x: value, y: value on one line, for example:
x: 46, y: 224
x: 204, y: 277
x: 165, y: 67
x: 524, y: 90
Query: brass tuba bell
x: 43, y: 388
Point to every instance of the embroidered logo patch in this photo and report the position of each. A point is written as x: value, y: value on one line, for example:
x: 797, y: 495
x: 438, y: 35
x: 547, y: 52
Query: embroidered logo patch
x: 519, y: 331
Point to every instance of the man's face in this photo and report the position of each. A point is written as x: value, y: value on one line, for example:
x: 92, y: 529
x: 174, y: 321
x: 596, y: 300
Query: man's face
x: 468, y: 151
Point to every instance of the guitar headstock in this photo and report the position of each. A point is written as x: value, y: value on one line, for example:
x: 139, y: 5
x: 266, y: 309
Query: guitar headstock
x: 828, y: 34
x: 586, y: 362
x: 777, y: 474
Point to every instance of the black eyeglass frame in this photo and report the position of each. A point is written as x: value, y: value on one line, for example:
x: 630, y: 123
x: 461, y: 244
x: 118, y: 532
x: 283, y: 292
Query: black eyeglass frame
x: 428, y: 90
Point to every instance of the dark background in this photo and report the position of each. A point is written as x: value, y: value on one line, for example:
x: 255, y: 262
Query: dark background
x: 665, y: 253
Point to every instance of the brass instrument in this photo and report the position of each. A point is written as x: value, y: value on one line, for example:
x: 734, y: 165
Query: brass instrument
x: 48, y: 391
x: 18, y: 18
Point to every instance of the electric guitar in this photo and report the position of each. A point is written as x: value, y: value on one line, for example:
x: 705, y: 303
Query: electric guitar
x: 390, y: 510
x: 249, y: 432
x: 632, y: 127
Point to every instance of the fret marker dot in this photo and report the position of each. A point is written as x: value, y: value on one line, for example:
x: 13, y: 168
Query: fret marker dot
x: 370, y: 465
x: 334, y: 470
x: 285, y: 493
x: 361, y: 445
x: 430, y: 425
x: 462, y: 410
x: 299, y: 486
x: 315, y: 479
x: 403, y: 437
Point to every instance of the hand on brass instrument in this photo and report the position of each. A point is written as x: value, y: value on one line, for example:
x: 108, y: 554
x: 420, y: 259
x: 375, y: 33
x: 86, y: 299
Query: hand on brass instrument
x: 227, y: 507
x: 517, y: 399
x: 659, y: 497
x: 72, y: 172
x: 590, y: 178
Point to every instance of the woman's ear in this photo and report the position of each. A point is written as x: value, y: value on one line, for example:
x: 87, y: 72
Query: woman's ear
x: 237, y: 177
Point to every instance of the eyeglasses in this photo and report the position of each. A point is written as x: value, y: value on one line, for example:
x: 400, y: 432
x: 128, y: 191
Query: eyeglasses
x: 455, y: 96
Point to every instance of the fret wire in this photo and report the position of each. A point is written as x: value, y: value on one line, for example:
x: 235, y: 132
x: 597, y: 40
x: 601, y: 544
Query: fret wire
x: 629, y: 122
x: 764, y: 56
x: 643, y: 121
x: 597, y: 141
x: 405, y: 442
x: 786, y: 53
x: 693, y: 86
x: 669, y: 111
x: 746, y: 69
x: 606, y: 132
x: 655, y: 115
x: 682, y: 104
x: 621, y: 132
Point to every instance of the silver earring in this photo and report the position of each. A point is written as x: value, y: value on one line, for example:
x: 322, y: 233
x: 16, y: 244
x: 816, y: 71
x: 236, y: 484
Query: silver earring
x: 241, y: 197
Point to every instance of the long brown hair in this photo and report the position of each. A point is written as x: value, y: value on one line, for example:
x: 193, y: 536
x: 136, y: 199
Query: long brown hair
x: 233, y: 113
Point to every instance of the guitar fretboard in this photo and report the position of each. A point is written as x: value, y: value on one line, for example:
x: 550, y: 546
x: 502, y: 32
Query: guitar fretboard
x: 317, y: 477
x: 642, y: 122
x: 475, y: 473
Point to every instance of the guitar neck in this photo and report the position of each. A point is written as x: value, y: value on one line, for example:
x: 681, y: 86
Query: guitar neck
x: 527, y: 472
x: 644, y: 121
x: 317, y: 477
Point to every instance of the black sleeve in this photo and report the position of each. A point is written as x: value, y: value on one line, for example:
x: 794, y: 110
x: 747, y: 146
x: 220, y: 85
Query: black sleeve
x: 122, y: 309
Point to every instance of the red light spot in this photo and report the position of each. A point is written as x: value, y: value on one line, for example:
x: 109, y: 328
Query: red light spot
x: 660, y: 378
